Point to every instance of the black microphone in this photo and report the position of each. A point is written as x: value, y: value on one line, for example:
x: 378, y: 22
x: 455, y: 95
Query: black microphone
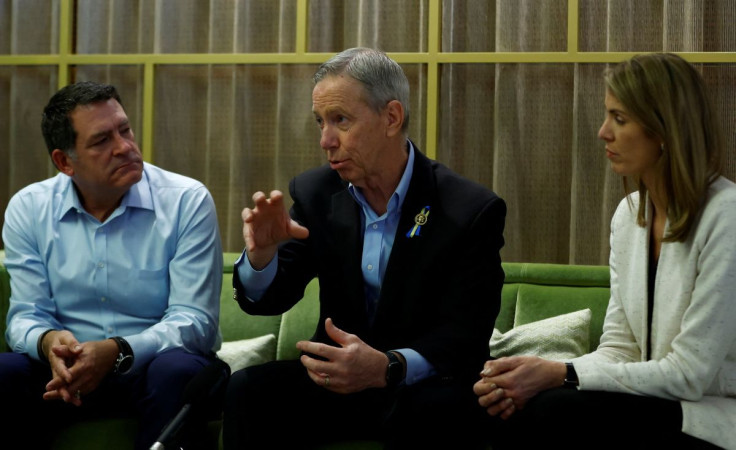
x: 201, y: 388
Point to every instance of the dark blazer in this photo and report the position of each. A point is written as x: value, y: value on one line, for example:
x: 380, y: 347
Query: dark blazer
x: 442, y: 288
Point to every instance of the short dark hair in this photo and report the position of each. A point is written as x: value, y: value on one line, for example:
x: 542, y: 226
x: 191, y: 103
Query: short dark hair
x: 56, y: 126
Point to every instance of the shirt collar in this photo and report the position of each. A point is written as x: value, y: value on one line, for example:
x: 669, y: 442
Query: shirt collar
x: 397, y: 198
x: 138, y: 196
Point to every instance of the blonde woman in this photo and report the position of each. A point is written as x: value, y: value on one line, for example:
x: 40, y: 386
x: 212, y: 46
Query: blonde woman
x: 665, y: 370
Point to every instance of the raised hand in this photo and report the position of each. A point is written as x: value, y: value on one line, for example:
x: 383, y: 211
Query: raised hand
x: 266, y: 226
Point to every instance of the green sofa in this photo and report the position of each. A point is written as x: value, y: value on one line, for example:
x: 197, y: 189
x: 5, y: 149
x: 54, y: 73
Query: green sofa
x: 531, y: 292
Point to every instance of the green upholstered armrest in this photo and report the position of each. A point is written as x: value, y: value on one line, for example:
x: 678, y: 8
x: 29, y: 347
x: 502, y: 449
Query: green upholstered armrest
x: 297, y: 324
x: 234, y: 323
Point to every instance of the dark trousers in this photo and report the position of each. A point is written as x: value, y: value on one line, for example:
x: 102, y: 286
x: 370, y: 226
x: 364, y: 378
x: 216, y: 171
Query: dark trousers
x: 152, y: 395
x: 279, y: 395
x: 571, y: 419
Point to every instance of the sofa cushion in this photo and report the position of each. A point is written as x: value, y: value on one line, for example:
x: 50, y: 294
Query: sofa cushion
x: 558, y: 338
x: 535, y: 302
x: 248, y: 352
x: 536, y: 291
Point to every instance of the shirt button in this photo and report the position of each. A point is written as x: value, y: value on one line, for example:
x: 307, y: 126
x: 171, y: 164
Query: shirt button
x: 375, y: 226
x: 370, y: 267
x: 103, y: 299
x: 100, y: 265
x: 109, y: 330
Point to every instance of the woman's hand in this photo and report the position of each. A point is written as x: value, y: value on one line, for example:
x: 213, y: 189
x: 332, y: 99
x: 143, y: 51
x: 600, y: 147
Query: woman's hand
x: 507, y: 384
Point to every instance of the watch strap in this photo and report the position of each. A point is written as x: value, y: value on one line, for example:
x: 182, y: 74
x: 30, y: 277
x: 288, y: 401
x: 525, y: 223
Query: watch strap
x: 124, y: 361
x: 39, y: 346
x: 571, y: 376
x: 395, y: 371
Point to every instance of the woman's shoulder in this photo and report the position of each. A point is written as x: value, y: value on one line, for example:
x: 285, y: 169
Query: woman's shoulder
x: 719, y: 209
x: 722, y: 190
x: 721, y: 199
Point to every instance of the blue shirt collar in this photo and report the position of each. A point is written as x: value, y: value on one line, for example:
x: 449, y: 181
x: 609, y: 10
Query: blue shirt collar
x: 138, y: 196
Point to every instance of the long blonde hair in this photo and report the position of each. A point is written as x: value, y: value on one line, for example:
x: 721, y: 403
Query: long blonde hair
x: 667, y: 96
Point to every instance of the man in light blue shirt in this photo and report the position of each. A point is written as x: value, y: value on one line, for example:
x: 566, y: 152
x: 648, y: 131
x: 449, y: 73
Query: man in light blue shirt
x: 116, y: 272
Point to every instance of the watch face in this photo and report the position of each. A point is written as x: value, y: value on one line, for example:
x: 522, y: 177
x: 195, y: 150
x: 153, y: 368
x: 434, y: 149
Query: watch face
x: 124, y: 363
x: 394, y: 370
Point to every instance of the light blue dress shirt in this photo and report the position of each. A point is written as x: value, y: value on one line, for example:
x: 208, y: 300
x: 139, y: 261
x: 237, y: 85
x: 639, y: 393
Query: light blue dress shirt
x: 151, y: 273
x: 378, y: 240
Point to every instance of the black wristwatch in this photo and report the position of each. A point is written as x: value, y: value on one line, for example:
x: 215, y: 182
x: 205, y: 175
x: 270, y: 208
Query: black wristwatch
x: 394, y: 371
x: 571, y: 377
x: 124, y: 362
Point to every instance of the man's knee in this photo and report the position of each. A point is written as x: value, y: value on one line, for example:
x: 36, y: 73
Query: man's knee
x: 172, y: 371
x: 21, y: 375
x: 251, y: 389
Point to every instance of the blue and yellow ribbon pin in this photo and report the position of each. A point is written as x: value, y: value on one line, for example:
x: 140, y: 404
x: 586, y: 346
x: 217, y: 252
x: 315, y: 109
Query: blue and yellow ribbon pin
x: 419, y: 220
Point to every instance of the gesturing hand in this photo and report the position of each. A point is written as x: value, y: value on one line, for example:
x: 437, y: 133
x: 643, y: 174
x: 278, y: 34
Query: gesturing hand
x: 352, y: 367
x: 267, y: 225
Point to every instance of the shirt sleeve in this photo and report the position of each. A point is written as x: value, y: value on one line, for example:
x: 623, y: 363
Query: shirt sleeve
x: 417, y: 367
x: 32, y: 308
x: 191, y: 321
x: 255, y: 282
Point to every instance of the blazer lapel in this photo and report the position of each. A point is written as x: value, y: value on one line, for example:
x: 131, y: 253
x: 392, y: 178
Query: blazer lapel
x: 345, y: 223
x: 407, y: 249
x: 345, y: 229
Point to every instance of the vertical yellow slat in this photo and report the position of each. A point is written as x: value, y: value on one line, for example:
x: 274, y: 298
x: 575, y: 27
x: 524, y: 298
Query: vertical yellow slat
x: 433, y: 75
x: 65, y: 41
x: 572, y: 27
x: 147, y: 138
x: 301, y: 27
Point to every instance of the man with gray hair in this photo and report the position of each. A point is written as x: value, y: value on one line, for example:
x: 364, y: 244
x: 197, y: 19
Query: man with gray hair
x: 407, y: 256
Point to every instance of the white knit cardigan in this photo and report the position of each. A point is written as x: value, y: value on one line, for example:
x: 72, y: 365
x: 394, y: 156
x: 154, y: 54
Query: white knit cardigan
x: 694, y: 320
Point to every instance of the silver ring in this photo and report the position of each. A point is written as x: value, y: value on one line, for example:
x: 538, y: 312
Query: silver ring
x: 78, y: 394
x: 327, y: 381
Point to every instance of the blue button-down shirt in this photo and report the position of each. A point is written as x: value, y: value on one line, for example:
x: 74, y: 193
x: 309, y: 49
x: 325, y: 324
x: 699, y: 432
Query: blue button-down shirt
x: 378, y: 240
x: 151, y: 273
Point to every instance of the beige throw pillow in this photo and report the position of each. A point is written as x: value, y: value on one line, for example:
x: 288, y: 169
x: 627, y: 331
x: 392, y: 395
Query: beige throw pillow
x: 557, y: 338
x: 248, y: 352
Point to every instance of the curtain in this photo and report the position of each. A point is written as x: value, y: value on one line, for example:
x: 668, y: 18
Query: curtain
x: 529, y: 131
x: 26, y: 27
x: 526, y: 130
